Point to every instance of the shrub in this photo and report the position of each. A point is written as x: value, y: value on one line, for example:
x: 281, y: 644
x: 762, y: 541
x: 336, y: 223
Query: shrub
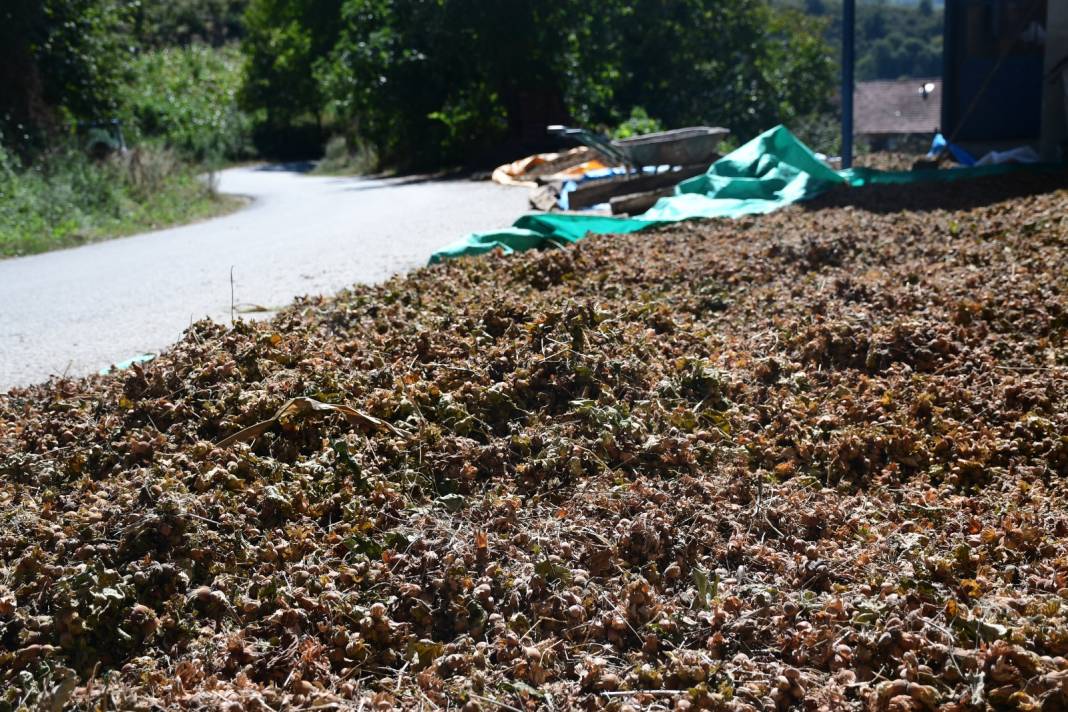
x: 639, y: 123
x: 66, y: 199
x: 186, y: 98
x: 341, y: 156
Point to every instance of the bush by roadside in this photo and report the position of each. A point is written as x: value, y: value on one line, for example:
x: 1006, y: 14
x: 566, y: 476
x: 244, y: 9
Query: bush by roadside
x: 342, y: 157
x: 185, y: 98
x: 67, y: 199
x: 180, y: 116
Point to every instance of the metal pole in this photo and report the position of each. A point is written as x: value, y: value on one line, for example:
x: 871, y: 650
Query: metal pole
x: 849, y: 14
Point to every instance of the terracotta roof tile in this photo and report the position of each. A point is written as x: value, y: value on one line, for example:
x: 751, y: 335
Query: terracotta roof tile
x: 897, y: 107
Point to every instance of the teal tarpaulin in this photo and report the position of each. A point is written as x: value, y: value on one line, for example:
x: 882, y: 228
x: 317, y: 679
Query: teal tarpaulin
x: 773, y: 170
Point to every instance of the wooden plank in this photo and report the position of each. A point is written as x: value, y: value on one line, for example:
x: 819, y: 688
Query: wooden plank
x: 635, y: 203
x: 600, y: 191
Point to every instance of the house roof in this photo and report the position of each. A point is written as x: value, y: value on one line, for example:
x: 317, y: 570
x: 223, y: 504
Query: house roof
x: 897, y: 107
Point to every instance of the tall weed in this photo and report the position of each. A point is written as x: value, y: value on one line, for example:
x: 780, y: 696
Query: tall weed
x: 67, y: 199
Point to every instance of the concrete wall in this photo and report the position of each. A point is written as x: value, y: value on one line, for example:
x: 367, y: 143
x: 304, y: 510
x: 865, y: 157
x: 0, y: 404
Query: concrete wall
x: 1055, y: 89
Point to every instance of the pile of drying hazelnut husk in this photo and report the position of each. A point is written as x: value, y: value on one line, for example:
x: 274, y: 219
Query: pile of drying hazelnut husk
x: 812, y: 460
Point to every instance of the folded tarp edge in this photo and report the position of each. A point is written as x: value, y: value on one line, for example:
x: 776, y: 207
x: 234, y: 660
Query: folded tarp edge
x: 771, y: 171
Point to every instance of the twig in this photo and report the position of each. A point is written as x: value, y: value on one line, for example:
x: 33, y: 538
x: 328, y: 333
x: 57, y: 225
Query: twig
x: 655, y: 693
x: 502, y: 705
x: 203, y: 519
x: 231, y: 296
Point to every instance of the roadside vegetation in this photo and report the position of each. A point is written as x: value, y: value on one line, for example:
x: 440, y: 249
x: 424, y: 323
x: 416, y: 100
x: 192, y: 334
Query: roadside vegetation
x: 185, y: 99
x: 382, y: 84
x: 435, y: 84
x: 68, y: 199
x: 422, y: 85
x: 70, y: 62
x: 377, y: 84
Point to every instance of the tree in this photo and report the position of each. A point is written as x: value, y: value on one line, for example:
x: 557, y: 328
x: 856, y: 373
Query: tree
x: 432, y: 81
x: 283, y: 40
x: 453, y: 75
x: 182, y: 22
x: 765, y: 67
x: 874, y: 24
x: 59, y: 60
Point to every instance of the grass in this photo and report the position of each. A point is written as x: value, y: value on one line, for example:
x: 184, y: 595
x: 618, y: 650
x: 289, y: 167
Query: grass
x: 70, y: 200
x: 181, y: 113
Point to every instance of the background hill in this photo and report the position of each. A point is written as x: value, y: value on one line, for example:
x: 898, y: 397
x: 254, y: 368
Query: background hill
x: 895, y: 38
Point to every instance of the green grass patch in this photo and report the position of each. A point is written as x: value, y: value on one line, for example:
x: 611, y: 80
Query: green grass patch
x: 69, y: 199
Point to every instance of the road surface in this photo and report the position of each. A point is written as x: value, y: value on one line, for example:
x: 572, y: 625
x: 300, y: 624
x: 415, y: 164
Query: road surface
x: 76, y: 311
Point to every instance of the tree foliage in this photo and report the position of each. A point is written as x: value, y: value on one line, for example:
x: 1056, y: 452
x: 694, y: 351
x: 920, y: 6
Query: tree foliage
x: 186, y: 97
x: 59, y: 59
x: 433, y: 81
x: 893, y: 40
x: 63, y: 61
x: 898, y: 56
x: 445, y: 77
x: 764, y: 66
x: 183, y: 22
x: 897, y: 42
x: 283, y: 40
x: 425, y: 81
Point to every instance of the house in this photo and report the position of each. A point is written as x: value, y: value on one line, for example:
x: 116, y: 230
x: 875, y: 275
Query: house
x: 893, y: 114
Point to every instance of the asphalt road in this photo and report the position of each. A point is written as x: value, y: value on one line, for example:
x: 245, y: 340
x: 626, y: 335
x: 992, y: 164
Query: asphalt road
x: 76, y: 311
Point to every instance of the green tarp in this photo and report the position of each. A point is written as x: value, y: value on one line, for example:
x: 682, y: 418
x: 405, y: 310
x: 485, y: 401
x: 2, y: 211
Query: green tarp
x: 772, y: 170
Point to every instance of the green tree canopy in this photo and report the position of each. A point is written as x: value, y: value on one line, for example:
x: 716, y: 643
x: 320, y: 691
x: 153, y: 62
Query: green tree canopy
x: 447, y: 76
x: 893, y: 40
x: 764, y: 66
x: 430, y: 81
x: 59, y: 60
x: 183, y: 22
x: 283, y: 40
